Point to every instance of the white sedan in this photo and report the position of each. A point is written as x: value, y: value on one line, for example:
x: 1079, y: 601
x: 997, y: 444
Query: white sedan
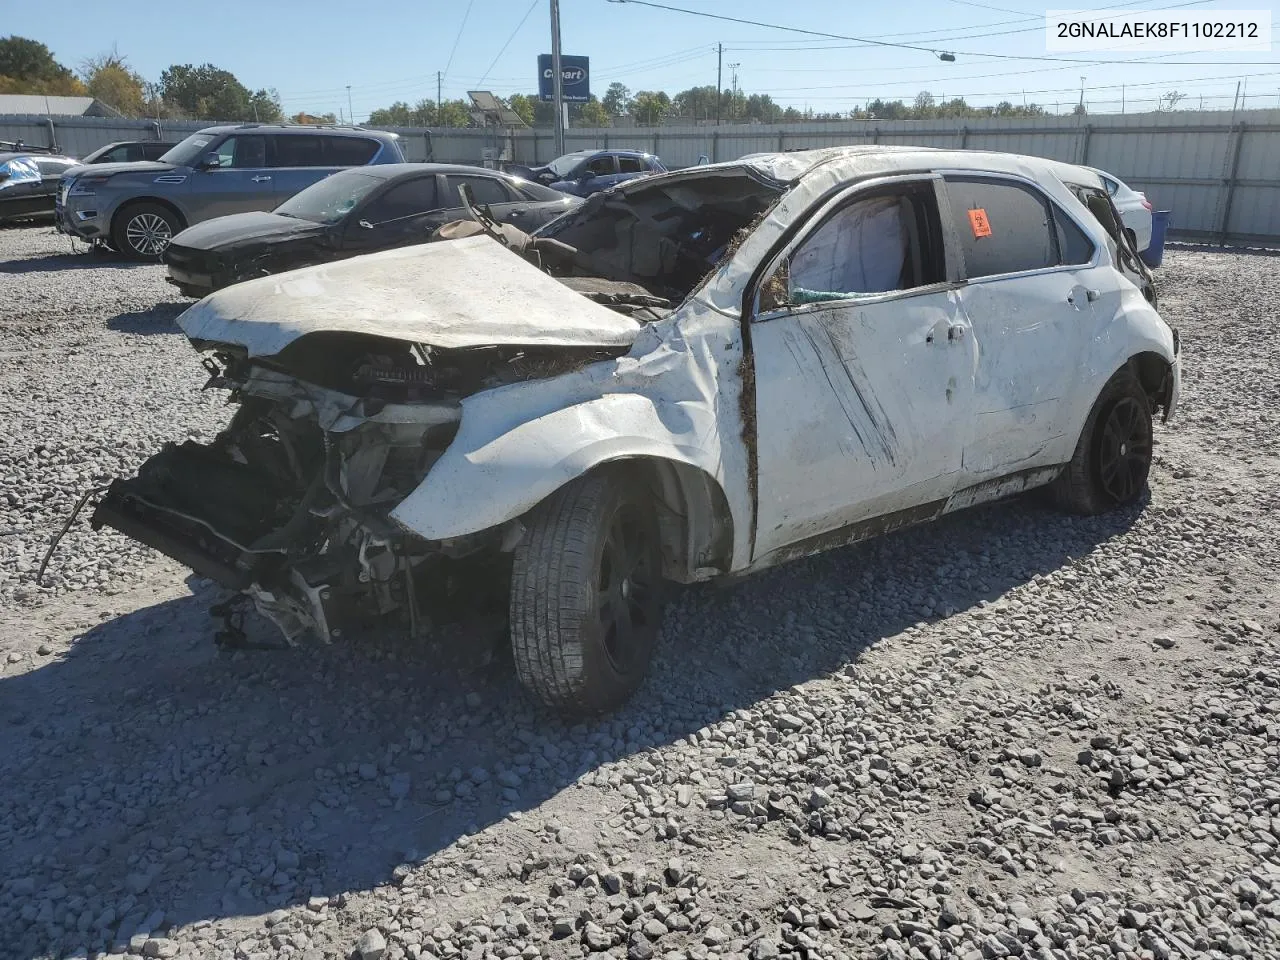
x: 693, y: 376
x: 1134, y: 207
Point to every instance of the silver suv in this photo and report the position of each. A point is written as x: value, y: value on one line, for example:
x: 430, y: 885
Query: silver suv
x: 137, y: 207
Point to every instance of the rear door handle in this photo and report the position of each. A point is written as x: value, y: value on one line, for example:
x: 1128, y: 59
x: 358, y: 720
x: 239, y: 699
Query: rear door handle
x: 955, y: 332
x: 260, y: 179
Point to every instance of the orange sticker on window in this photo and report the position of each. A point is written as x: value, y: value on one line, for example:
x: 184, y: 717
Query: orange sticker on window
x: 978, y: 220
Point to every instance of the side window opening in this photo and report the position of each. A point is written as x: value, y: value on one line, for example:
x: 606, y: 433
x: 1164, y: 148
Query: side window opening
x: 404, y: 200
x: 1074, y: 245
x: 243, y: 152
x: 874, y: 244
x: 298, y: 150
x: 483, y: 190
x: 347, y: 151
x: 1004, y: 227
x: 600, y: 167
x: 631, y: 165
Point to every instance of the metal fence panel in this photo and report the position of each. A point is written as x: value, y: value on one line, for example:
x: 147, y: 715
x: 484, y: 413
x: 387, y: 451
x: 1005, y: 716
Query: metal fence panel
x: 1215, y: 171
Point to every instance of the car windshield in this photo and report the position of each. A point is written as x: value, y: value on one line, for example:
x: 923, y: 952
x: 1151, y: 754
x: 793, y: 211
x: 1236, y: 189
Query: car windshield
x: 563, y: 166
x: 331, y: 199
x: 186, y: 153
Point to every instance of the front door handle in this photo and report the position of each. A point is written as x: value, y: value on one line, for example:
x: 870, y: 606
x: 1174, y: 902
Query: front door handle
x: 260, y: 179
x: 955, y: 332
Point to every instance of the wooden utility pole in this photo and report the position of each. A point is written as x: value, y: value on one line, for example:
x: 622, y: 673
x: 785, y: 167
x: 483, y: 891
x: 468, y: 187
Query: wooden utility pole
x: 439, y: 84
x: 719, y: 78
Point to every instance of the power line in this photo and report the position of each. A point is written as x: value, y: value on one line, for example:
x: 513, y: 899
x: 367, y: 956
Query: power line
x: 462, y: 26
x: 867, y: 41
x: 508, y: 43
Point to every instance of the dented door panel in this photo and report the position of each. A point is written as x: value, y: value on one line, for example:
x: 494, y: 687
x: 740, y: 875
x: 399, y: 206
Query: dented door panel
x: 1030, y: 332
x: 859, y: 411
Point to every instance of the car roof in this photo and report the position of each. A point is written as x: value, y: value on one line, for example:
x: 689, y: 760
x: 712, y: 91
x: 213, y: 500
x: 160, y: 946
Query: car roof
x: 791, y: 166
x: 287, y: 128
x: 388, y: 171
x: 15, y: 154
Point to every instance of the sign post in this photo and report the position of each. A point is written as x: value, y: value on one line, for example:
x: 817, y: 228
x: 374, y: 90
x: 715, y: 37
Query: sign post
x: 558, y: 81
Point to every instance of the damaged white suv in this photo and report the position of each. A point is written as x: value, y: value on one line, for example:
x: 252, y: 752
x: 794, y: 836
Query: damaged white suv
x: 692, y: 376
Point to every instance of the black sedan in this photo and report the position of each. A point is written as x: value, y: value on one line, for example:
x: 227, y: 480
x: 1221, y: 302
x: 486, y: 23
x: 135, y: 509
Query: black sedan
x: 349, y: 213
x: 29, y: 184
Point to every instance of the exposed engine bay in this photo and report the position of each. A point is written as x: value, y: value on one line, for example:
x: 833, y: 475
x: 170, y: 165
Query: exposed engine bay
x: 290, y: 505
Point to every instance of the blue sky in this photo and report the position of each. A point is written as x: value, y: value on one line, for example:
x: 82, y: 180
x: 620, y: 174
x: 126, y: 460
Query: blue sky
x: 309, y: 51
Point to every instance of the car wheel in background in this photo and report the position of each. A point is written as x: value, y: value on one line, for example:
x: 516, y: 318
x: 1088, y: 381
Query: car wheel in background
x: 586, y: 598
x: 142, y: 230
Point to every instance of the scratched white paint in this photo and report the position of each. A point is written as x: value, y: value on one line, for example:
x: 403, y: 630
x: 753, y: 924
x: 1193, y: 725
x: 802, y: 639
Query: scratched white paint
x: 857, y: 415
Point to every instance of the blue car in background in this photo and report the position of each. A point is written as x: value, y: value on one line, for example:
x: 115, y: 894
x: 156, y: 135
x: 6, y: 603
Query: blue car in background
x: 590, y: 171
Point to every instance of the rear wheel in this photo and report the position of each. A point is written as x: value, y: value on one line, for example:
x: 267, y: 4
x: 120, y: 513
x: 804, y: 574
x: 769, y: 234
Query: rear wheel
x: 1112, y: 459
x: 143, y: 230
x: 586, y: 594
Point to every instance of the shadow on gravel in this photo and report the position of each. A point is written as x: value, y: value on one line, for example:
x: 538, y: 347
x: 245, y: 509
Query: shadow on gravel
x: 148, y: 771
x: 154, y: 320
x: 58, y: 262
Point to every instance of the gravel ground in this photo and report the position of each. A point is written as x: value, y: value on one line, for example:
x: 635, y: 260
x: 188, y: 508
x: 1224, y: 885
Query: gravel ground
x: 1010, y: 733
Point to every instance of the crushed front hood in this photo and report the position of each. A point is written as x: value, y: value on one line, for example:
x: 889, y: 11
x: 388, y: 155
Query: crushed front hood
x: 240, y: 228
x: 452, y: 294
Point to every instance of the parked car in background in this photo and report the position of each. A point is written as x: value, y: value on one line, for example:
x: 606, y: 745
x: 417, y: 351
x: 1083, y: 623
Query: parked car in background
x: 349, y: 213
x: 129, y: 151
x: 29, y: 184
x: 590, y: 171
x: 1134, y: 207
x: 664, y: 387
x: 136, y: 208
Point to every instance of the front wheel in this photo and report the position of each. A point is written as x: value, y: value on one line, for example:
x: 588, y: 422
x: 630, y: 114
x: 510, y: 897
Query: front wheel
x: 586, y: 594
x: 1112, y: 459
x: 142, y: 231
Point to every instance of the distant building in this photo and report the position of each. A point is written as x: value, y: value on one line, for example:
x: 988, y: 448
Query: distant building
x: 21, y: 104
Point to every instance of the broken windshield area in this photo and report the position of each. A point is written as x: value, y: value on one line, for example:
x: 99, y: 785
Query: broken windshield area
x: 331, y: 199
x: 664, y: 237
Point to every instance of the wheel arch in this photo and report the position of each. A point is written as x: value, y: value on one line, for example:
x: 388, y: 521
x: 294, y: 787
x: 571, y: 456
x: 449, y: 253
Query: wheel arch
x: 158, y: 201
x: 694, y: 521
x: 1156, y: 374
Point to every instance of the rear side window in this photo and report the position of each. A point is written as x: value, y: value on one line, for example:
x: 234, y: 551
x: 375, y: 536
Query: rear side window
x: 601, y: 167
x: 1004, y: 227
x: 299, y: 150
x: 154, y: 151
x: 632, y: 165
x: 483, y: 190
x: 1074, y: 245
x: 404, y: 200
x: 120, y: 154
x: 348, y: 151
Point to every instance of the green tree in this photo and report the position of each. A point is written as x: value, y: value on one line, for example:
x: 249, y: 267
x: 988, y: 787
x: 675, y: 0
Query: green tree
x: 695, y: 104
x: 593, y: 114
x: 925, y: 108
x: 524, y: 105
x: 207, y: 92
x: 617, y: 100
x: 399, y: 114
x: 109, y: 78
x: 650, y: 107
x: 760, y: 107
x: 28, y: 66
